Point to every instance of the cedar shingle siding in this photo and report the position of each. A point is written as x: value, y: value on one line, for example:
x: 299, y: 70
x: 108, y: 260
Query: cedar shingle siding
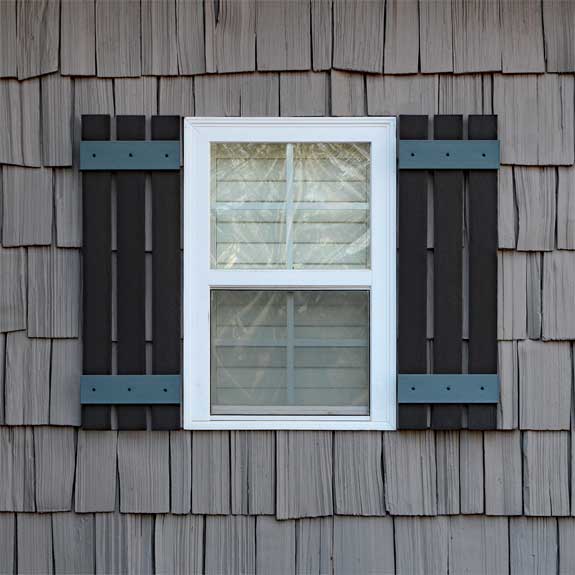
x: 285, y: 502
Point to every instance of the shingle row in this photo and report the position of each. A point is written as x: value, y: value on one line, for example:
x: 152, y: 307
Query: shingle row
x: 133, y: 38
x: 114, y: 543
x: 287, y: 474
x: 535, y: 111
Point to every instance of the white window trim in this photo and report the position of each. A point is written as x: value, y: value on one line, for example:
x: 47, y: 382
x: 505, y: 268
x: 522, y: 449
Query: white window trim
x: 199, y: 278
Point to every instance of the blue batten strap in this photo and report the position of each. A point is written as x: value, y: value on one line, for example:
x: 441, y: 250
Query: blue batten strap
x: 448, y: 388
x: 449, y: 154
x: 130, y: 389
x: 154, y: 155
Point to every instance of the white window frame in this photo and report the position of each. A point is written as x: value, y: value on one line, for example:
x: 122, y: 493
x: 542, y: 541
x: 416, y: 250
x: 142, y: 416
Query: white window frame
x: 199, y: 278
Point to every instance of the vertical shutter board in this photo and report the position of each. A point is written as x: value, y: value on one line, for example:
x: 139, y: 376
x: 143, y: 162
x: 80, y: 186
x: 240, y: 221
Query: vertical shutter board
x: 131, y: 271
x: 166, y: 273
x: 482, y: 195
x: 447, y: 272
x: 97, y: 272
x: 412, y: 280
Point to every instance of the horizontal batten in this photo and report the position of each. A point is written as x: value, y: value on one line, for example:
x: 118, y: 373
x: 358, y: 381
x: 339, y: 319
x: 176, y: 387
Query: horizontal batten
x: 130, y: 155
x: 130, y: 389
x: 449, y: 154
x: 448, y: 388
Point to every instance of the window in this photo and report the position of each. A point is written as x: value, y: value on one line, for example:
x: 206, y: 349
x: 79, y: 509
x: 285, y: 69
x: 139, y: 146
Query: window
x: 289, y: 273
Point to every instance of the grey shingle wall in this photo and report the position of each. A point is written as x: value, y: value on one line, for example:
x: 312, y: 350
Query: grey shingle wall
x: 106, y: 502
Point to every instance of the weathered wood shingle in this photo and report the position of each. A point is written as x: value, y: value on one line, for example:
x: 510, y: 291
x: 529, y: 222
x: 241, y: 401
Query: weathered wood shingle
x: 12, y: 289
x: 506, y: 210
x: 179, y: 544
x: 321, y: 34
x: 566, y: 208
x: 17, y: 481
x: 545, y: 374
x: 421, y: 545
x: 124, y: 543
x: 96, y: 471
x: 38, y: 37
x: 211, y: 472
x: 65, y: 371
x: 535, y: 116
x: 253, y: 473
x: 7, y: 547
x: 34, y: 540
x: 136, y: 96
x: 304, y: 94
x: 534, y: 274
x: 522, y: 36
x: 53, y: 292
x: 566, y: 547
x: 478, y: 545
x: 410, y: 473
x: 347, y: 94
x: 546, y: 473
x: 54, y: 451
x: 57, y: 120
x: 230, y: 35
x: 27, y: 214
x: 78, y: 38
x: 358, y: 29
x: 275, y: 546
x: 503, y: 473
x: 476, y: 36
x: 314, y: 549
x: 20, y: 144
x: 230, y: 545
x: 259, y: 95
x: 190, y: 32
x: 73, y: 540
x: 68, y: 208
x: 217, y: 95
x: 535, y: 193
x: 461, y: 94
x: 283, y: 39
x: 180, y: 471
x: 402, y: 95
x: 363, y: 545
x: 304, y: 474
x: 471, y: 471
x: 27, y: 383
x: 558, y: 288
x: 511, y: 295
x: 159, y: 40
x: 118, y: 43
x: 435, y: 36
x: 144, y: 471
x: 176, y: 96
x: 8, y: 43
x: 533, y: 545
x: 508, y: 368
x: 401, y: 52
x: 358, y: 473
x: 558, y: 22
x: 447, y: 464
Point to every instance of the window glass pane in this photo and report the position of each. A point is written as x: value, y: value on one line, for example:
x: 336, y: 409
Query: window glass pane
x: 290, y: 352
x: 290, y: 206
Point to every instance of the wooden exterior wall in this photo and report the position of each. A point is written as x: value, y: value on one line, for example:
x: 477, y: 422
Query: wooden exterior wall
x: 296, y: 502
